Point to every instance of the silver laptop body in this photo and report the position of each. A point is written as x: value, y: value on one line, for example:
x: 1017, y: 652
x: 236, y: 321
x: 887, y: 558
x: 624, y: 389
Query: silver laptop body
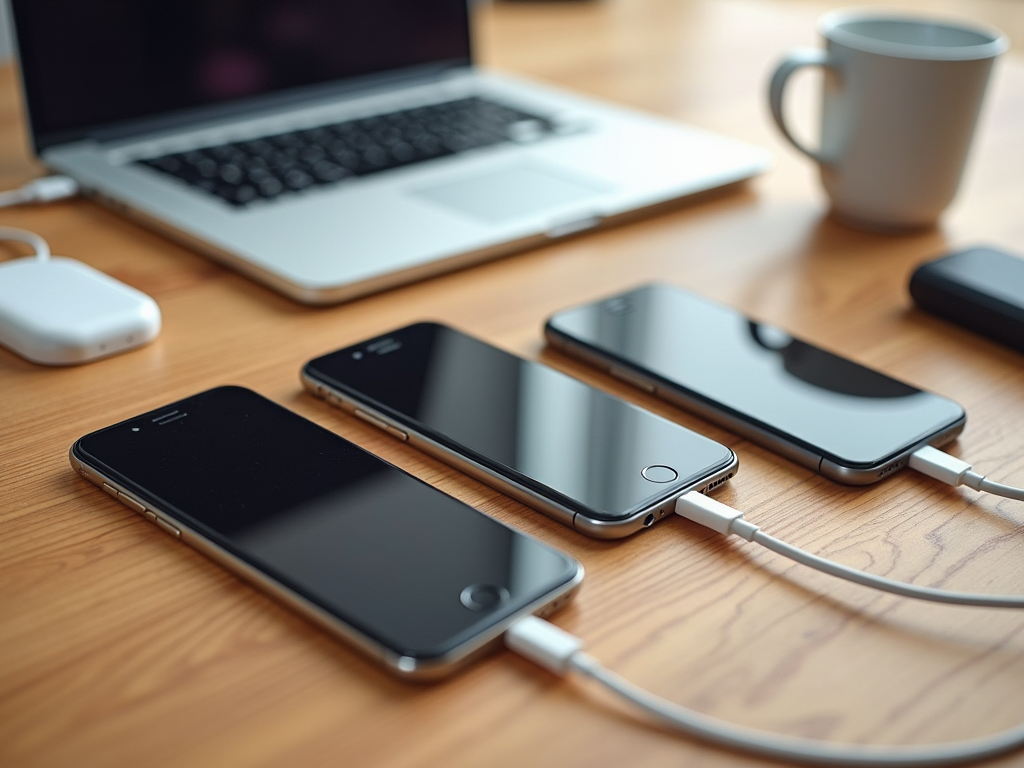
x: 581, y: 164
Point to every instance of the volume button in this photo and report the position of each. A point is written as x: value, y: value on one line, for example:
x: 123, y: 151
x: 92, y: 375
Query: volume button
x: 378, y: 423
x: 168, y: 527
x: 396, y: 432
x: 132, y: 503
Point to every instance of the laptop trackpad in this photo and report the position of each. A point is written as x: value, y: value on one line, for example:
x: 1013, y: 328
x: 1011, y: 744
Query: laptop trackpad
x: 513, y: 192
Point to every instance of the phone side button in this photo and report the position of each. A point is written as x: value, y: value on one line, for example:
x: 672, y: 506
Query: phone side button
x: 168, y: 527
x: 112, y: 491
x: 132, y: 503
x: 396, y: 432
x: 378, y: 423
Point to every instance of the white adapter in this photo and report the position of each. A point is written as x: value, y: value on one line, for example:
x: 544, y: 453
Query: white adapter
x: 59, y: 311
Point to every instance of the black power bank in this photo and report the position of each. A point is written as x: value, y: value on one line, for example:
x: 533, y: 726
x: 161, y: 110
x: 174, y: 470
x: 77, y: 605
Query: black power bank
x: 981, y: 289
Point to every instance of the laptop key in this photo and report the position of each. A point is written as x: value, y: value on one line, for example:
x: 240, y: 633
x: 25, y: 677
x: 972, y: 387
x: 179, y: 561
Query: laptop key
x: 327, y: 172
x: 296, y: 179
x: 403, y: 152
x: 245, y: 194
x: 270, y: 187
x: 231, y: 173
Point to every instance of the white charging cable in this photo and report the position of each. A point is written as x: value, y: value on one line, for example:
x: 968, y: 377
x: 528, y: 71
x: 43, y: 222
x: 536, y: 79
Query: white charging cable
x: 43, y: 190
x: 724, y: 519
x: 561, y: 653
x: 949, y: 469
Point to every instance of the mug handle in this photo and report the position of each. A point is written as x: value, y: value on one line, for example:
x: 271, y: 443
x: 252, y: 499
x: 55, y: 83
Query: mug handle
x: 801, y: 57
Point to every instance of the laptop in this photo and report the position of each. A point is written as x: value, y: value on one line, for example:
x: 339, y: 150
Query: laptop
x: 332, y: 148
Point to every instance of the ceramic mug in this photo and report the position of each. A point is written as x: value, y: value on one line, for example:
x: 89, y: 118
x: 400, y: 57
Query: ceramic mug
x: 900, y: 102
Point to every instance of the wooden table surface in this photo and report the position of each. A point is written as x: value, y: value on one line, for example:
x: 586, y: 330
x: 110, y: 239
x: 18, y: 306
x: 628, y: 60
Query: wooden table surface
x: 119, y: 646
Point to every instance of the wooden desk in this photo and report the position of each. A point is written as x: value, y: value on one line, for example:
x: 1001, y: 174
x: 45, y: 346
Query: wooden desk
x: 119, y: 646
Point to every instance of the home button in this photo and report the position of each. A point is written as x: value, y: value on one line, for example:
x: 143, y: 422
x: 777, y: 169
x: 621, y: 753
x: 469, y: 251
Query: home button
x: 483, y: 597
x: 659, y: 473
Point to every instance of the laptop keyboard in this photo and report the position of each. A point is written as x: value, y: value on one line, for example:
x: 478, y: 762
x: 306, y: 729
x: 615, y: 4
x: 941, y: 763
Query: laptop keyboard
x: 273, y: 166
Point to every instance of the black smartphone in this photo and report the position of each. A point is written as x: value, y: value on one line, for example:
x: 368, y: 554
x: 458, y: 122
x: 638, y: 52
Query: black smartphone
x: 850, y: 423
x: 411, y: 576
x: 590, y: 460
x: 980, y: 288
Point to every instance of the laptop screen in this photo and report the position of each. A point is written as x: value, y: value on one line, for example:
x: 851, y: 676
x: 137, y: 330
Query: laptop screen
x: 92, y: 64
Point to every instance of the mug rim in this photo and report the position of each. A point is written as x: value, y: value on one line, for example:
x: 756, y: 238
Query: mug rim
x: 830, y: 26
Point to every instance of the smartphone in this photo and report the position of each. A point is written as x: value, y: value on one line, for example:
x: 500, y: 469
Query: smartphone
x: 414, y: 578
x: 590, y: 460
x: 850, y: 423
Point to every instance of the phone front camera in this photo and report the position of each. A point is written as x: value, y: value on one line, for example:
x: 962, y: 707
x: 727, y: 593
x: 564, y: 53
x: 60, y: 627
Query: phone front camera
x: 357, y: 355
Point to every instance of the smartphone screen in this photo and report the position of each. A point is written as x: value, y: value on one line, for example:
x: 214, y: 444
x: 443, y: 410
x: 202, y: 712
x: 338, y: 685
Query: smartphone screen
x: 412, y: 575
x: 829, y: 413
x: 590, y: 457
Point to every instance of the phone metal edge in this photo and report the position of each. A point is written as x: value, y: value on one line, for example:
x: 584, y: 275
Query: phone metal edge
x: 601, y: 529
x: 833, y: 470
x: 404, y: 666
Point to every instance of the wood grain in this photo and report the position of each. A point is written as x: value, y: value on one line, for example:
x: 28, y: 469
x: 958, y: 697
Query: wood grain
x: 120, y: 647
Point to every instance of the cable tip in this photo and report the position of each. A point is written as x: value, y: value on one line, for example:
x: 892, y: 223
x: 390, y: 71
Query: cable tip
x: 697, y: 507
x: 939, y: 465
x: 50, y: 188
x: 543, y: 643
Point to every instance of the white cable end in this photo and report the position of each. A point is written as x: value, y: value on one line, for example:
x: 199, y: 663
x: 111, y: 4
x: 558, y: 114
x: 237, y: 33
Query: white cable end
x: 543, y: 643
x: 49, y: 188
x: 715, y: 515
x: 939, y: 465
